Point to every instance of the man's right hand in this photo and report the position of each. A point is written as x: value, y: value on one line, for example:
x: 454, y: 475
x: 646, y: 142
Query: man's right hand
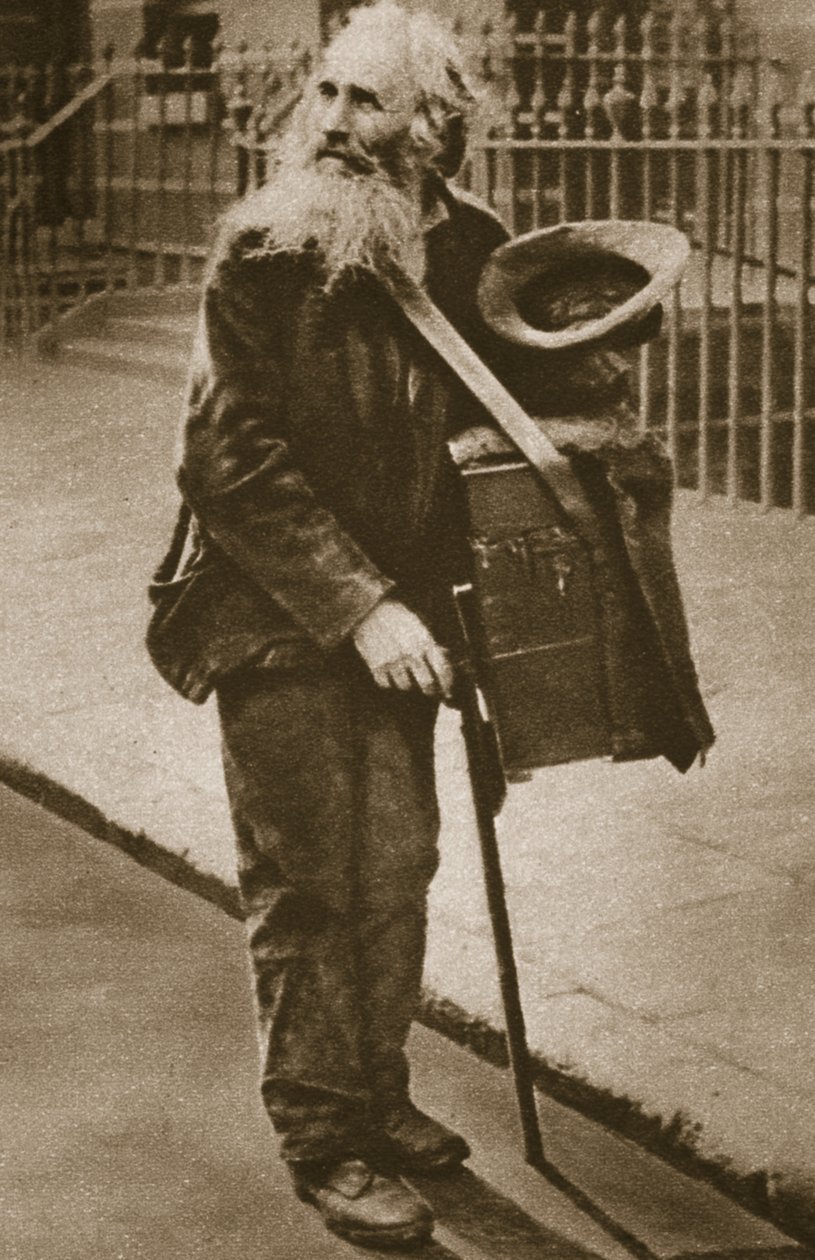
x: 400, y: 651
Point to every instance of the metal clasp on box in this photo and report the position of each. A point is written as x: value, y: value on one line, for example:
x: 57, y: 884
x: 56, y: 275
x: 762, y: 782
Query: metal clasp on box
x: 527, y: 548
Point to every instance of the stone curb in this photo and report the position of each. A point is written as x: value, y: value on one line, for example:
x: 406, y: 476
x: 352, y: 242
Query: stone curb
x: 791, y: 1212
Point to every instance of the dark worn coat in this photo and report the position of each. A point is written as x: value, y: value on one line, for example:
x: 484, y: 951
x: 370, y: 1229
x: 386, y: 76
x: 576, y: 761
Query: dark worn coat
x: 314, y: 459
x: 314, y: 455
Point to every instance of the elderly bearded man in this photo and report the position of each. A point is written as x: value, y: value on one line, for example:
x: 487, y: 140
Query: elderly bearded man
x: 325, y: 543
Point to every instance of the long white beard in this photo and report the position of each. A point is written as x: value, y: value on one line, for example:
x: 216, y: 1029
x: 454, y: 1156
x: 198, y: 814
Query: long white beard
x: 357, y: 221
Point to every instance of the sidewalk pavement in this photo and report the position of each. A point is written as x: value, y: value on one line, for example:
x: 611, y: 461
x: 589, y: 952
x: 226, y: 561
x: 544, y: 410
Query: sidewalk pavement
x: 133, y: 1127
x: 663, y: 924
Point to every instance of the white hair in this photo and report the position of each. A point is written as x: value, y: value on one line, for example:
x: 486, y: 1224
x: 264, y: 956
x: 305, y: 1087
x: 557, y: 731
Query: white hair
x: 422, y: 52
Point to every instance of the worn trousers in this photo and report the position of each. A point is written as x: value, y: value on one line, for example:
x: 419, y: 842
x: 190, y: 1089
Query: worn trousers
x: 332, y: 793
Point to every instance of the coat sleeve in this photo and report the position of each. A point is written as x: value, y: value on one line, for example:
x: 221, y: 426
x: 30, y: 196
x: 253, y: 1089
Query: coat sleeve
x: 235, y: 467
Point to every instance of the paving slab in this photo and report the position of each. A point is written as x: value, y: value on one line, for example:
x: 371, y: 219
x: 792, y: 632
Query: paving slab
x: 774, y: 1026
x: 704, y: 955
x: 662, y: 922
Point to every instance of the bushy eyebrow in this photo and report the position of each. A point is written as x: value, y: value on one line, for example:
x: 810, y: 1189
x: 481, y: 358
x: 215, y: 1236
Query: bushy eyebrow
x: 364, y: 96
x: 359, y: 94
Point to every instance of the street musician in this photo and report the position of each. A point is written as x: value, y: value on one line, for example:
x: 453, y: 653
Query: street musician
x: 327, y: 533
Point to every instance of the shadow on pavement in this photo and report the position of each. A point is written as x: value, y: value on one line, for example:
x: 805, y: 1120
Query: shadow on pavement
x: 478, y: 1214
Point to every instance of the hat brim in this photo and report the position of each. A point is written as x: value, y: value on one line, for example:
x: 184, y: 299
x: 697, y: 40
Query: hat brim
x: 661, y: 250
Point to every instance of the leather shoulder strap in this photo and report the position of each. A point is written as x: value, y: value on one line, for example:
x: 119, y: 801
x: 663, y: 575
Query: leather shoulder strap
x: 507, y: 412
x: 168, y: 568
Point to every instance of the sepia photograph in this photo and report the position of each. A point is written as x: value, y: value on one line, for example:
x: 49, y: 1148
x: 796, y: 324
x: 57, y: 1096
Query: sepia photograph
x: 407, y: 761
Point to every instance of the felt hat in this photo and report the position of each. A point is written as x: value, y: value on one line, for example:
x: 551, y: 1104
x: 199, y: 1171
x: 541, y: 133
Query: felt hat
x: 579, y: 283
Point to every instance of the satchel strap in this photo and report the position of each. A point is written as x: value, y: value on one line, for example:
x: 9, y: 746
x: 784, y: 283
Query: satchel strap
x: 168, y: 568
x: 506, y: 411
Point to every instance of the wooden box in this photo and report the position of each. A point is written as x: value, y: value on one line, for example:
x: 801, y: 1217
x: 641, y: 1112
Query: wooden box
x: 536, y: 632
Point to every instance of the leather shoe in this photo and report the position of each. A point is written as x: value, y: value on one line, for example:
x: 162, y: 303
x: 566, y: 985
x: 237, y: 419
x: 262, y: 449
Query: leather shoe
x: 416, y: 1143
x: 363, y: 1206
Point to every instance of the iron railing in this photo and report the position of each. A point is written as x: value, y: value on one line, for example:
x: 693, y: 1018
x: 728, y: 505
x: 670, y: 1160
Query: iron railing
x: 669, y: 119
x: 122, y: 185
x: 683, y: 123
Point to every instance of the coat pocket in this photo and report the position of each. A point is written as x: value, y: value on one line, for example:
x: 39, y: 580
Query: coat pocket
x: 210, y: 621
x: 179, y: 634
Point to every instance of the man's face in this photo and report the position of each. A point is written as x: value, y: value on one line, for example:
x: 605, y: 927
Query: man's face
x: 361, y: 116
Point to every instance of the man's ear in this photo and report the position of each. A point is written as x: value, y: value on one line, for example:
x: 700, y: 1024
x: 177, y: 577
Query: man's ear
x: 423, y: 134
x: 442, y: 137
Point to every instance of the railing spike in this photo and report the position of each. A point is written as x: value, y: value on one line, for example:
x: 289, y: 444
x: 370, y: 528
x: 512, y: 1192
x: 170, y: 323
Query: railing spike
x: 649, y: 95
x: 49, y: 86
x: 75, y: 73
x: 742, y: 91
x: 741, y: 96
x: 163, y: 48
x: 617, y: 102
x: 537, y: 103
x: 271, y: 79
x: 773, y: 85
x: 676, y: 93
x: 806, y: 104
x: 592, y: 100
x: 647, y: 24
x: 566, y: 95
x: 486, y: 57
x: 676, y: 86
x: 706, y: 96
x: 727, y: 37
x: 649, y: 92
x: 806, y: 88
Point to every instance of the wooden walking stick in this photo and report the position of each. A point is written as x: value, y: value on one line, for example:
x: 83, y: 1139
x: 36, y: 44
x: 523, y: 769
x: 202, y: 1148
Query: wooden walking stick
x: 488, y: 790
